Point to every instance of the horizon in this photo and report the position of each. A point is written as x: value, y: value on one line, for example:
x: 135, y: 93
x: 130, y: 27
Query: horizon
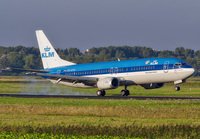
x: 85, y: 51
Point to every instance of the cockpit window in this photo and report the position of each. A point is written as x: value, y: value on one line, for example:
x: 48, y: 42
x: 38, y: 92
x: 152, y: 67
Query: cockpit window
x: 184, y: 64
x: 180, y: 64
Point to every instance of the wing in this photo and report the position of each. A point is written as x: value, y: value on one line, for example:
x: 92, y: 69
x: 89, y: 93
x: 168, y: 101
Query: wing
x: 73, y: 79
x: 90, y: 81
x: 29, y: 71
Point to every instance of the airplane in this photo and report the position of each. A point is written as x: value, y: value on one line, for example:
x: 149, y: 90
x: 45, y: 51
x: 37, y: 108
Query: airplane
x: 150, y: 73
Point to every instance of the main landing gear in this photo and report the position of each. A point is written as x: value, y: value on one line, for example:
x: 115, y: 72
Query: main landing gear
x: 124, y: 92
x: 177, y: 88
x: 101, y: 93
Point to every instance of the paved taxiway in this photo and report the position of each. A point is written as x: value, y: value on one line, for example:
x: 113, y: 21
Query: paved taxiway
x: 95, y: 97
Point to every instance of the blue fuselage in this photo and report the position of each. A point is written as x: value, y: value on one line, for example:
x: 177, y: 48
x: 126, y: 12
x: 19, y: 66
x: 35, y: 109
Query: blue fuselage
x: 124, y: 66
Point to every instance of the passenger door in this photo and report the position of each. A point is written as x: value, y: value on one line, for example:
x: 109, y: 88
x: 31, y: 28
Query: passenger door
x: 116, y: 70
x: 166, y: 66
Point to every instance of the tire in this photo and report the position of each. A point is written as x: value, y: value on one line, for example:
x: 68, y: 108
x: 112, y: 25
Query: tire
x: 127, y: 92
x: 123, y: 93
x: 101, y: 93
x: 177, y: 88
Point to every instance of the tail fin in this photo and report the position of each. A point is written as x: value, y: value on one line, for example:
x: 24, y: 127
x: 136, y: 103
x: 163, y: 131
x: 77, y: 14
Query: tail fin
x: 50, y: 58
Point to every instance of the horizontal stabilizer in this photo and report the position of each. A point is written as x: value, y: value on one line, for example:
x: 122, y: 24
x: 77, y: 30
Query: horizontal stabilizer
x: 24, y: 70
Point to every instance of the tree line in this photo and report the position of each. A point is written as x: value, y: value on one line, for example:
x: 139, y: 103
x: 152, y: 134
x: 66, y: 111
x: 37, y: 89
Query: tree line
x: 29, y: 57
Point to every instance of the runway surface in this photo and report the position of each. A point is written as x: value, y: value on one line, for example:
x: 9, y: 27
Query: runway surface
x: 96, y: 97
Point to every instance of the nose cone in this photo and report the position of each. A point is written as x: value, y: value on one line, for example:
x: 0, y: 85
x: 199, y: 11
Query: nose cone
x: 191, y: 71
x: 188, y: 72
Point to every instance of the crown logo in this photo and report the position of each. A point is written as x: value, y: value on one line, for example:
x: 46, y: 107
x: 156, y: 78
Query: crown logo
x: 147, y: 62
x: 47, y: 49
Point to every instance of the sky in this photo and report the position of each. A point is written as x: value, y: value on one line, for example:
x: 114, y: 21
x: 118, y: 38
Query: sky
x: 83, y: 24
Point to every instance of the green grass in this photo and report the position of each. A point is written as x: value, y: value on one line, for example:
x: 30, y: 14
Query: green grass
x: 58, y: 102
x: 10, y: 135
x: 89, y: 131
x: 41, y: 117
x: 194, y: 79
x: 98, y: 112
x: 191, y: 89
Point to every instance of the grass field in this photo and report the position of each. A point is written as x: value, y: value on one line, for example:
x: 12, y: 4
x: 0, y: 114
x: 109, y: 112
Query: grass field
x: 85, y: 118
x: 128, y: 118
x: 190, y: 88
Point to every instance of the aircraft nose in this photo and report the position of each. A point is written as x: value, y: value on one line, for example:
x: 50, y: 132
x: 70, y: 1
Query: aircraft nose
x: 192, y: 71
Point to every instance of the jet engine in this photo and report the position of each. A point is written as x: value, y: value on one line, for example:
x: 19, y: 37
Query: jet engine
x: 153, y: 85
x: 108, y: 83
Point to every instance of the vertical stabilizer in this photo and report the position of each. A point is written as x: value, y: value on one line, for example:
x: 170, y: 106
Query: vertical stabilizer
x: 50, y: 58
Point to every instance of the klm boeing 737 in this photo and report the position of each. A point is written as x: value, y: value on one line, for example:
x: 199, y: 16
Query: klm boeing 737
x: 150, y: 73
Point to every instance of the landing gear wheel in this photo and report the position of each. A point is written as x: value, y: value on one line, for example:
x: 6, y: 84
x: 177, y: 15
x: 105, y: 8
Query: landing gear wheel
x: 177, y: 88
x: 101, y: 93
x: 125, y: 93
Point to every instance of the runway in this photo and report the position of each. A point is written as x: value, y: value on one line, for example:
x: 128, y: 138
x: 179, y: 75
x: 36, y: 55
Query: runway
x: 96, y: 97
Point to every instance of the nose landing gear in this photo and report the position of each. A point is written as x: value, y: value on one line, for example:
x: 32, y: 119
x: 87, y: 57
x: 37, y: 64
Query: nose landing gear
x: 177, y: 88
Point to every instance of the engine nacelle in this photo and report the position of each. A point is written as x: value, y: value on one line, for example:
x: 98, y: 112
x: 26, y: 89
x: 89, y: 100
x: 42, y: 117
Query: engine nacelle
x: 153, y: 85
x: 108, y: 83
